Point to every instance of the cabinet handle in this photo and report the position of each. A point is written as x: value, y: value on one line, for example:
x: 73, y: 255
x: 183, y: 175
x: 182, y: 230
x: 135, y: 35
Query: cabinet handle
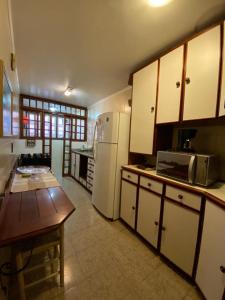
x: 187, y: 80
x: 156, y: 223
x: 149, y: 184
x: 163, y: 228
x: 180, y: 197
x: 178, y: 84
x: 222, y: 269
x: 133, y: 207
x: 152, y: 109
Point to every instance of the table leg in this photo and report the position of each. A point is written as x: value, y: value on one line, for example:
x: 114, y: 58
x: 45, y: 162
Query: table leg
x: 62, y: 255
x: 20, y: 277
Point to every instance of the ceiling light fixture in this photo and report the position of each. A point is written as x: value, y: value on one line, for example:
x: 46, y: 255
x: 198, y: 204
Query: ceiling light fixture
x: 158, y: 3
x: 68, y: 91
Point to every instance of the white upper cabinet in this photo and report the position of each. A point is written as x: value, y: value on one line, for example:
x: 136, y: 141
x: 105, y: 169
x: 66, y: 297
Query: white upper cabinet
x: 143, y: 109
x: 222, y: 95
x: 170, y: 80
x: 202, y: 73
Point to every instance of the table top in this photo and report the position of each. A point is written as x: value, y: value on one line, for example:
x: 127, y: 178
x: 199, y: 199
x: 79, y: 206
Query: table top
x: 31, y: 213
x: 40, y: 181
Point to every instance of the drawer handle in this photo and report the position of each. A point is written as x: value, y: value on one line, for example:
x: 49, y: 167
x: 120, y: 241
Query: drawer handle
x: 149, y: 184
x: 180, y: 197
x: 128, y: 176
x: 156, y: 223
x: 222, y: 269
x: 133, y: 207
x: 163, y: 228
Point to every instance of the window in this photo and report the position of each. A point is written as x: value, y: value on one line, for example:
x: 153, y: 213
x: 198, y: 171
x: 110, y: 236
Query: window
x: 54, y: 127
x: 46, y: 119
x: 31, y: 124
x: 60, y: 128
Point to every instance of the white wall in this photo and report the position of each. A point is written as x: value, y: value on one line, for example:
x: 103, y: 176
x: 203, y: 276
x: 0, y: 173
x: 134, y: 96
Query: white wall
x: 57, y: 156
x: 117, y: 102
x: 20, y: 147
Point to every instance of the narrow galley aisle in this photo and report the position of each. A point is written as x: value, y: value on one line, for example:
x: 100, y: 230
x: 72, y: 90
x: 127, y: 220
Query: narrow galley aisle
x: 104, y: 260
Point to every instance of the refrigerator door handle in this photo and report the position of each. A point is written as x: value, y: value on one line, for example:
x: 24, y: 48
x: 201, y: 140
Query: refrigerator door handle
x: 94, y: 152
x: 94, y: 142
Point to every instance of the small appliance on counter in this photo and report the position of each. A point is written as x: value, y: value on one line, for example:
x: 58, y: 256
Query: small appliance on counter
x: 198, y: 169
x: 185, y: 137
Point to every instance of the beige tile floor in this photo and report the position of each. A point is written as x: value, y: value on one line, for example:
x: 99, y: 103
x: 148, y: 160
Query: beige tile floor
x: 104, y: 260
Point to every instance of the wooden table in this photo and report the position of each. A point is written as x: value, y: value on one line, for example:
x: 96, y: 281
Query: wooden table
x: 28, y: 214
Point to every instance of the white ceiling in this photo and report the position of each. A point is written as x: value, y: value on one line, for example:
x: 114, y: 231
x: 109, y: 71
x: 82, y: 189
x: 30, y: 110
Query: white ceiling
x: 93, y: 45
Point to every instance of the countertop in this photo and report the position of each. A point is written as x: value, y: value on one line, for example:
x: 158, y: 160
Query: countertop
x: 215, y: 192
x: 88, y: 153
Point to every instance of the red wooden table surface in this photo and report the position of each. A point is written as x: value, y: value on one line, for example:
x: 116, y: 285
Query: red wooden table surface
x: 28, y: 214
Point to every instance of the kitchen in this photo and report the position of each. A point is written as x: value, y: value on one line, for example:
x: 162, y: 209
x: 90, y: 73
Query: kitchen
x: 138, y: 221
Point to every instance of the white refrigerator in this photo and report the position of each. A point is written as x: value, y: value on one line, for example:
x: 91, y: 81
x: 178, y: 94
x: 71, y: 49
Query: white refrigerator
x: 111, y: 152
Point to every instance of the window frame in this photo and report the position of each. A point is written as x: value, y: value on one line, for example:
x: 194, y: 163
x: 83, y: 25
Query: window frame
x: 43, y: 111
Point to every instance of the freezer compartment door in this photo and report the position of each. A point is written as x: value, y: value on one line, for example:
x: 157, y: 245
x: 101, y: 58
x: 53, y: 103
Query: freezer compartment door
x: 108, y: 127
x: 104, y: 180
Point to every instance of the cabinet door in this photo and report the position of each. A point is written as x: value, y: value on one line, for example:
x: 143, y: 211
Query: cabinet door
x: 170, y: 80
x: 73, y: 158
x: 210, y: 279
x: 222, y: 95
x: 202, y: 72
x: 143, y: 109
x: 77, y: 167
x: 179, y: 235
x: 128, y: 203
x: 148, y: 216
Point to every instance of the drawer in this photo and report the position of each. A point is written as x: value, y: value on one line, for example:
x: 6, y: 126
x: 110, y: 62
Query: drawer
x: 91, y: 161
x: 89, y: 186
x: 130, y: 176
x: 184, y: 197
x: 151, y: 184
x: 89, y: 180
x: 90, y: 174
x: 91, y: 167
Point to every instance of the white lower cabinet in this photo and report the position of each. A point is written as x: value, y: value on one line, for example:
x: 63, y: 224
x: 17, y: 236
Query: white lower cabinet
x: 148, y: 216
x: 128, y: 203
x: 73, y: 160
x: 179, y: 235
x: 211, y: 266
x: 77, y: 167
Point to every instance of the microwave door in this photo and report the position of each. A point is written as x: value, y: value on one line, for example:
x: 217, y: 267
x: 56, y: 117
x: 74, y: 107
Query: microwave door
x: 179, y: 166
x: 191, y: 169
